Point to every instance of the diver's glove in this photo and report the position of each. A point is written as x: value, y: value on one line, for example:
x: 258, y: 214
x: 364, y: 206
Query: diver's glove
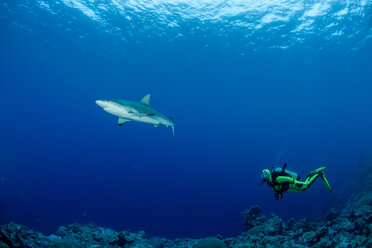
x: 276, y: 195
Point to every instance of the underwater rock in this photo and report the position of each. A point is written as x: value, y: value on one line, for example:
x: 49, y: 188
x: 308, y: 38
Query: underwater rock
x: 332, y: 214
x: 289, y: 224
x: 345, y: 224
x: 211, y: 242
x: 309, y: 237
x: 304, y: 224
x: 251, y: 217
x: 158, y: 242
x: 273, y: 240
x: 273, y: 225
x: 75, y: 235
x: 91, y: 235
x: 15, y: 235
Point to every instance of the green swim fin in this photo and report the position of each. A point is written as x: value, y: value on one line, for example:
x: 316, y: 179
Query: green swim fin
x: 325, y: 181
x: 320, y: 169
x: 316, y: 172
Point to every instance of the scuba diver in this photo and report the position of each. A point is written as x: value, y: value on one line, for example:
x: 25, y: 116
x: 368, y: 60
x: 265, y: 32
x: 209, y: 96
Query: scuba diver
x: 282, y: 180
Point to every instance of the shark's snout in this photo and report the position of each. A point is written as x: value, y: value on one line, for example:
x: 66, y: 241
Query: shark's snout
x: 101, y: 103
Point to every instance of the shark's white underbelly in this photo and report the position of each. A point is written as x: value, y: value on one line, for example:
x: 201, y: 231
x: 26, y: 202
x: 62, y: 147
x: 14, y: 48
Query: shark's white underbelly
x: 126, y: 114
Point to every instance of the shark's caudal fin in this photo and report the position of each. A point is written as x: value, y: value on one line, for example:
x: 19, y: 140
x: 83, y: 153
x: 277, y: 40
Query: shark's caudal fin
x: 171, y: 118
x: 146, y: 100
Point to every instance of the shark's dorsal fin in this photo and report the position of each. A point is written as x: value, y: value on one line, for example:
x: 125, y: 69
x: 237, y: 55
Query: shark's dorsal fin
x: 146, y: 100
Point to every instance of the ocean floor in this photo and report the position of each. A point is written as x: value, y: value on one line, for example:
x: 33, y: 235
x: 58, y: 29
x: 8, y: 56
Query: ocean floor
x: 348, y: 226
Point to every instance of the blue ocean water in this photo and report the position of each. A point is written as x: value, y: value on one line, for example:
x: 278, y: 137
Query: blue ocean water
x: 251, y: 84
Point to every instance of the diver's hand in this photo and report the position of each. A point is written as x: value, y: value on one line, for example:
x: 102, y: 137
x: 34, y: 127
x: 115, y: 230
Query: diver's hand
x: 276, y: 195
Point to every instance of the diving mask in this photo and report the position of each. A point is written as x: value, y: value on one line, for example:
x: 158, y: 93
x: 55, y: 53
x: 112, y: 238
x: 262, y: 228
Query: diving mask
x: 265, y: 175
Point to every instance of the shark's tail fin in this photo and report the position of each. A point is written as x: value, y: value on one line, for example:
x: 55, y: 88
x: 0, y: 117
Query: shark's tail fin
x: 171, y: 118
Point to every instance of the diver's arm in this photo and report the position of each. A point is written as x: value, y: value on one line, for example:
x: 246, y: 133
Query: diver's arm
x: 278, y: 194
x: 278, y: 191
x: 283, y: 179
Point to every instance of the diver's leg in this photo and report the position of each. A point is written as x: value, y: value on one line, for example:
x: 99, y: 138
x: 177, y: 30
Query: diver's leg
x: 310, y: 179
x: 298, y: 186
x: 314, y: 175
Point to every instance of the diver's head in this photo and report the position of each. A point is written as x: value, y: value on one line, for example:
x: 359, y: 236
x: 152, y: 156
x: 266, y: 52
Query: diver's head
x: 265, y: 175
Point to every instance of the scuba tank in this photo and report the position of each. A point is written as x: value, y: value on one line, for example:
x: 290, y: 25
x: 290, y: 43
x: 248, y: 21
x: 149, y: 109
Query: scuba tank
x: 292, y: 174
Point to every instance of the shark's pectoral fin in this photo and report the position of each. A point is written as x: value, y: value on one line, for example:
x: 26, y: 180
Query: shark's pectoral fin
x: 121, y: 121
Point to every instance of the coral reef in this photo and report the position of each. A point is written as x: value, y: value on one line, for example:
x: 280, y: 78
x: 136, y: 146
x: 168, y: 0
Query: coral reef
x: 349, y: 226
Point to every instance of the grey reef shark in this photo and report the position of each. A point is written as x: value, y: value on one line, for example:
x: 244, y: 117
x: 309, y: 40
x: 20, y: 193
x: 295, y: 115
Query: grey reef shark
x: 136, y: 111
